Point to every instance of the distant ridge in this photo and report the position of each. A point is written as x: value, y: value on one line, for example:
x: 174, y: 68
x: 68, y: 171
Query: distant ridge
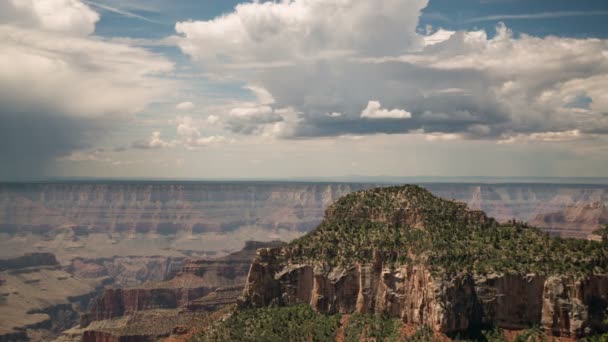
x: 394, y: 180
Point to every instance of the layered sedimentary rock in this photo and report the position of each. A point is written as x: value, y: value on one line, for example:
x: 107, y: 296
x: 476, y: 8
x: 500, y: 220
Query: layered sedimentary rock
x: 164, y: 208
x: 521, y: 201
x: 142, y: 326
x: 169, y: 209
x: 123, y: 302
x: 563, y: 306
x: 417, y: 291
x: 126, y: 271
x: 578, y: 221
x: 199, y: 285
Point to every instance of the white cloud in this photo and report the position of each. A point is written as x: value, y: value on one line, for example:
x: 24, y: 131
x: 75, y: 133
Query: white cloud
x: 155, y: 141
x: 67, y: 16
x: 251, y: 111
x: 461, y: 83
x: 375, y: 111
x: 185, y: 106
x: 270, y: 32
x: 443, y: 136
x: 551, y: 137
x: 189, y: 132
x: 206, y: 141
x: 437, y: 37
x: 213, y: 119
x: 262, y: 95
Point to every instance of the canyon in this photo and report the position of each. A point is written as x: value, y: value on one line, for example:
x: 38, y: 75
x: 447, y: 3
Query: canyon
x: 112, y: 242
x: 156, y: 309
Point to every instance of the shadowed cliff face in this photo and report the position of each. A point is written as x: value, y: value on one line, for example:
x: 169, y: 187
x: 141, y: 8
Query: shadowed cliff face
x: 422, y: 260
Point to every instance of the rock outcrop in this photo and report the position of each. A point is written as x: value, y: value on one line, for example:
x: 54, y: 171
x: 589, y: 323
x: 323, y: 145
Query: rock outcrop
x: 122, y: 302
x: 564, y: 305
x: 142, y: 326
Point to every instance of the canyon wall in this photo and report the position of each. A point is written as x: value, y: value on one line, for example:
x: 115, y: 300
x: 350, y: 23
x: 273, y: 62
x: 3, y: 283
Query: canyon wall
x: 190, y: 208
x: 164, y: 208
x: 197, y: 288
x: 563, y: 306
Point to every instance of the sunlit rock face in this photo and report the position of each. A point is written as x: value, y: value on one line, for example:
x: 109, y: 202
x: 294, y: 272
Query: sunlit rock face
x: 334, y: 276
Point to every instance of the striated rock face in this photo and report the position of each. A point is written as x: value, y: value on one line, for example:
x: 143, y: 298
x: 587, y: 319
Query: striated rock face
x: 563, y: 306
x: 578, y: 221
x: 126, y: 271
x: 572, y: 307
x: 199, y: 285
x: 143, y: 326
x: 121, y: 302
x: 164, y: 208
x: 418, y: 291
x: 522, y: 201
x: 168, y: 209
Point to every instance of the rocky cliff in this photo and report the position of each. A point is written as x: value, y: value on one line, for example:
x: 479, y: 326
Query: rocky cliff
x: 164, y: 208
x: 402, y: 252
x: 167, y: 209
x: 198, y: 287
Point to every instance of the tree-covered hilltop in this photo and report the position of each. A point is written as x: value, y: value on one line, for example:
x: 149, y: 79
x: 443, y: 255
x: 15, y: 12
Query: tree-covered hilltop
x: 405, y: 224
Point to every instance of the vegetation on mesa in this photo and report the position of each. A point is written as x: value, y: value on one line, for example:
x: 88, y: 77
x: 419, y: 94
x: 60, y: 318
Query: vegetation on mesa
x: 301, y: 323
x: 408, y: 224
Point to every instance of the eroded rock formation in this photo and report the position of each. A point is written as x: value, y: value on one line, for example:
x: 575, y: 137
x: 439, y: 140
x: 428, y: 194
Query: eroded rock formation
x: 563, y: 305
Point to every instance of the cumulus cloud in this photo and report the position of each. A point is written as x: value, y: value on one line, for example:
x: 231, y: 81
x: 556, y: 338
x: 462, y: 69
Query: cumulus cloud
x: 251, y: 119
x: 61, y: 89
x: 189, y: 132
x: 375, y: 111
x: 66, y: 16
x: 453, y: 84
x: 269, y: 32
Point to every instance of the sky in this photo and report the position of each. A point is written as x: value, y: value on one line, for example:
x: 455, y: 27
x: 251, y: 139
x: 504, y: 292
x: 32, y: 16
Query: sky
x: 207, y: 89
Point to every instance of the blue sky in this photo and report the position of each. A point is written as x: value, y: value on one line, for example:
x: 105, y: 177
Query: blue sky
x: 557, y: 17
x: 564, y: 18
x: 303, y: 88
